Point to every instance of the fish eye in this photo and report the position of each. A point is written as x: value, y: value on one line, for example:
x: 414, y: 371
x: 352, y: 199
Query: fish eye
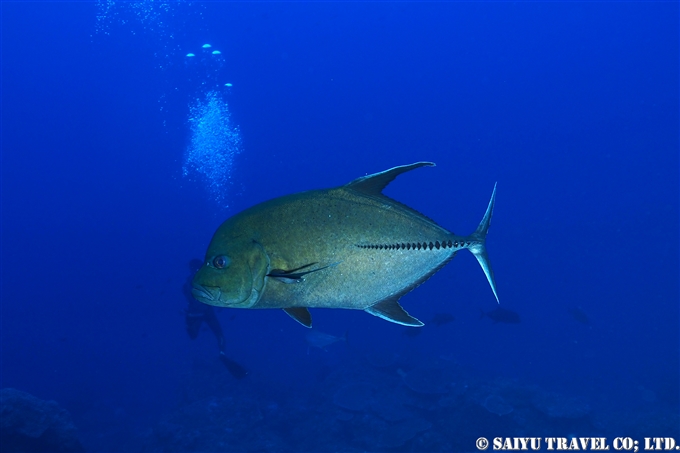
x: 220, y: 262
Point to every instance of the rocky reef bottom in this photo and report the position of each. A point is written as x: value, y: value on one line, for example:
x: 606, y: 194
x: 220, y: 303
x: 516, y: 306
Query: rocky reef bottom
x: 29, y: 424
x: 372, y: 402
x: 434, y: 405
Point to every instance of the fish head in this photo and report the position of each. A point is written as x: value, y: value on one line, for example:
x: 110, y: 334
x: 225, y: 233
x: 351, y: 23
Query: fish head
x: 233, y: 273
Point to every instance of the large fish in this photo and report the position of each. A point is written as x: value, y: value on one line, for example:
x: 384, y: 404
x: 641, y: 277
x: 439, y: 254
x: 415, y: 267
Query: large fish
x: 347, y: 247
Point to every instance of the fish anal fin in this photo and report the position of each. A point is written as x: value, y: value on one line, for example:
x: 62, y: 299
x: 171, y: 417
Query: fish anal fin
x: 390, y: 310
x: 300, y: 314
x: 375, y: 183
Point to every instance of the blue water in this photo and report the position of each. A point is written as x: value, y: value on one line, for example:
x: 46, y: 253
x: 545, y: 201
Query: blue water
x: 121, y: 156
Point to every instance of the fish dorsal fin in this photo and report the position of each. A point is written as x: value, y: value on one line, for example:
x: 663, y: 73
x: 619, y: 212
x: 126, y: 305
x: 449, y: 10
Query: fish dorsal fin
x: 372, y: 186
x: 390, y: 310
x: 375, y: 183
x: 300, y: 314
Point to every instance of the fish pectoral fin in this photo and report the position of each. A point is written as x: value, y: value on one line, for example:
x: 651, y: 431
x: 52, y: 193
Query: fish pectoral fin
x: 290, y: 276
x: 300, y: 314
x: 286, y: 278
x: 295, y: 275
x: 390, y: 310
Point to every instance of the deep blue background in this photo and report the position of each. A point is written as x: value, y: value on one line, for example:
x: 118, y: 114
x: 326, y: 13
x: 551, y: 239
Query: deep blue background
x: 571, y: 107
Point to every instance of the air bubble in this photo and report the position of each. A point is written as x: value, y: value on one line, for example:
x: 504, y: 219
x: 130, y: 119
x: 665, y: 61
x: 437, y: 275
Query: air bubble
x: 215, y: 143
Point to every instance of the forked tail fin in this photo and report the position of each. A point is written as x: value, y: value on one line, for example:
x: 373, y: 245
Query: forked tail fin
x: 478, y: 246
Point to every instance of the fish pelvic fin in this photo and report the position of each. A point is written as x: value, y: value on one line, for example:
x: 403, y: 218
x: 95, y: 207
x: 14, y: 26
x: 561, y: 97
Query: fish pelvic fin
x: 301, y: 315
x: 478, y: 246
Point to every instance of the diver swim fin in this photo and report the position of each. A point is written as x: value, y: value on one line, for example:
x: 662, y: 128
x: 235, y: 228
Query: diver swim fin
x: 234, y: 368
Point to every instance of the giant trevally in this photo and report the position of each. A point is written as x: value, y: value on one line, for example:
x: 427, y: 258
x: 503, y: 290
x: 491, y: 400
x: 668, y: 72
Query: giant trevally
x: 346, y: 247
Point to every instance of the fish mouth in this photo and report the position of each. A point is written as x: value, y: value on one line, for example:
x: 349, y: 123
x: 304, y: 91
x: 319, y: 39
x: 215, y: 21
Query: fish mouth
x: 212, y: 295
x: 206, y: 294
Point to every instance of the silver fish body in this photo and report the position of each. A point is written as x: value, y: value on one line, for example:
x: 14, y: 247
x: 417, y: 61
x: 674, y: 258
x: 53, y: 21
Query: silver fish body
x: 347, y: 247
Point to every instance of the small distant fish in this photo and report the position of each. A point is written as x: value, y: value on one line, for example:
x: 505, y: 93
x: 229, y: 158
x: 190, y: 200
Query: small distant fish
x: 439, y: 319
x: 501, y: 314
x: 412, y: 332
x: 317, y: 339
x: 579, y: 315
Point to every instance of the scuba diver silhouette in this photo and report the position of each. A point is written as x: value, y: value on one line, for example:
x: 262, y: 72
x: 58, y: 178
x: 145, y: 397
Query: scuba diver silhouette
x: 198, y: 313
